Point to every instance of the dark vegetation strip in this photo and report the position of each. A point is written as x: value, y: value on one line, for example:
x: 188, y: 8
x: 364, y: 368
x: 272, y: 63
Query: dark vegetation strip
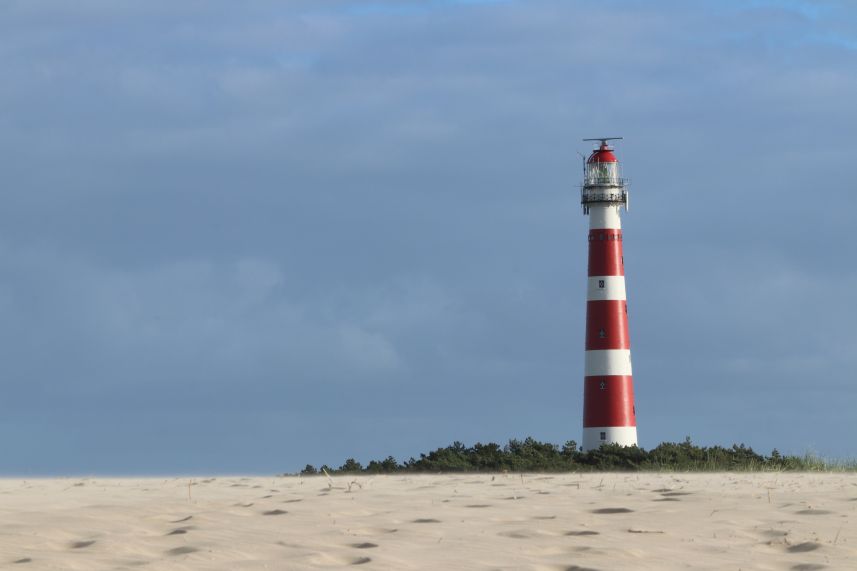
x: 530, y: 455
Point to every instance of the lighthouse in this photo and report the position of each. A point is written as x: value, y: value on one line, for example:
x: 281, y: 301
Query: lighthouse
x: 609, y: 415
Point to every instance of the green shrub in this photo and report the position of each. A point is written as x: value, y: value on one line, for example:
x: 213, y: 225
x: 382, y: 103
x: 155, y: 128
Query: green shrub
x: 530, y: 455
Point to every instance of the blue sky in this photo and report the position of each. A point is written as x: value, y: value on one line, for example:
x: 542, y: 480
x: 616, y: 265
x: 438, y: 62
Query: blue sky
x: 245, y: 238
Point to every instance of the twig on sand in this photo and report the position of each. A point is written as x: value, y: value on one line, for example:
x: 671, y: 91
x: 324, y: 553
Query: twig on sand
x: 835, y: 539
x: 632, y: 530
x: 329, y: 479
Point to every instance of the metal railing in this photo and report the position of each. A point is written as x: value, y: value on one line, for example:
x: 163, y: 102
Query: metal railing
x: 587, y: 197
x: 590, y: 196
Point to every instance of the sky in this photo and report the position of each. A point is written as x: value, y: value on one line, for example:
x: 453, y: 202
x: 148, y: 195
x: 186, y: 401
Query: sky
x: 244, y: 237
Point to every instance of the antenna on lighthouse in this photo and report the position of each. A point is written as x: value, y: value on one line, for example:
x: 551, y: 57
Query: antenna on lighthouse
x: 605, y: 139
x: 582, y: 160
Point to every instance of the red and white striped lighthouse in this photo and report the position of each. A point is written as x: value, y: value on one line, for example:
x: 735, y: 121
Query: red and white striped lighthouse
x: 609, y: 415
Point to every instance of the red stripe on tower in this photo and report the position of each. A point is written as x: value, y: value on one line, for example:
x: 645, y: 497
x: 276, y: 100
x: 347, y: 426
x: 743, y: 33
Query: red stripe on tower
x: 610, y: 401
x: 605, y: 253
x: 607, y: 325
x: 609, y: 414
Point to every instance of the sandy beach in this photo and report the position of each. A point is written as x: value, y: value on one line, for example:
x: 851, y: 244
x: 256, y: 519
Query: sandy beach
x: 544, y: 522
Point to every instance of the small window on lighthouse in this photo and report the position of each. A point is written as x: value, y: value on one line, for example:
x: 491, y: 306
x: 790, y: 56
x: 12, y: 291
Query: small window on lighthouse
x: 601, y: 284
x: 603, y: 436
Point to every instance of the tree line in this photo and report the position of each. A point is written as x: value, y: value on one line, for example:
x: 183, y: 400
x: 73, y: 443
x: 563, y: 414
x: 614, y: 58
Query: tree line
x: 530, y: 455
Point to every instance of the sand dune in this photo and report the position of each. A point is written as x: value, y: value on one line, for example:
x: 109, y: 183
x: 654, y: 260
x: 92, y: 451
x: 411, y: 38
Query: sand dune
x: 537, y: 522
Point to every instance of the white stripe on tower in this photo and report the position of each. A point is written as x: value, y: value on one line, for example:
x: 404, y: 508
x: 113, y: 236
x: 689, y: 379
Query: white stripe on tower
x: 604, y: 216
x: 605, y: 287
x: 622, y: 435
x: 607, y: 362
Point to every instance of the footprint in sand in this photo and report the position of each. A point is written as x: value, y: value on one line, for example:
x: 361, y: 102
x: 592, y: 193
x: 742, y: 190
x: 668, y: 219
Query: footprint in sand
x: 803, y: 547
x: 774, y: 533
x: 182, y: 519
x: 478, y: 506
x: 426, y: 520
x: 676, y: 493
x: 563, y: 568
x: 632, y: 530
x: 23, y: 560
x: 291, y: 501
x: 326, y: 560
x: 612, y: 511
x: 515, y: 534
x: 667, y: 500
x: 184, y: 550
x: 580, y: 533
x: 814, y: 512
x: 181, y: 530
x: 81, y: 544
x: 275, y: 512
x: 808, y: 567
x: 373, y: 530
x: 364, y: 545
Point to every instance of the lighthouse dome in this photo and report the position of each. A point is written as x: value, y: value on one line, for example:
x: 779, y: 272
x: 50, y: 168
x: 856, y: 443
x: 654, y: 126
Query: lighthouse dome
x: 603, y: 154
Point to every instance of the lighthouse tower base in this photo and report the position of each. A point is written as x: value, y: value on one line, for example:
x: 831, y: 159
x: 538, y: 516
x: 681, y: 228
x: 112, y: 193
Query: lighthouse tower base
x: 595, y: 436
